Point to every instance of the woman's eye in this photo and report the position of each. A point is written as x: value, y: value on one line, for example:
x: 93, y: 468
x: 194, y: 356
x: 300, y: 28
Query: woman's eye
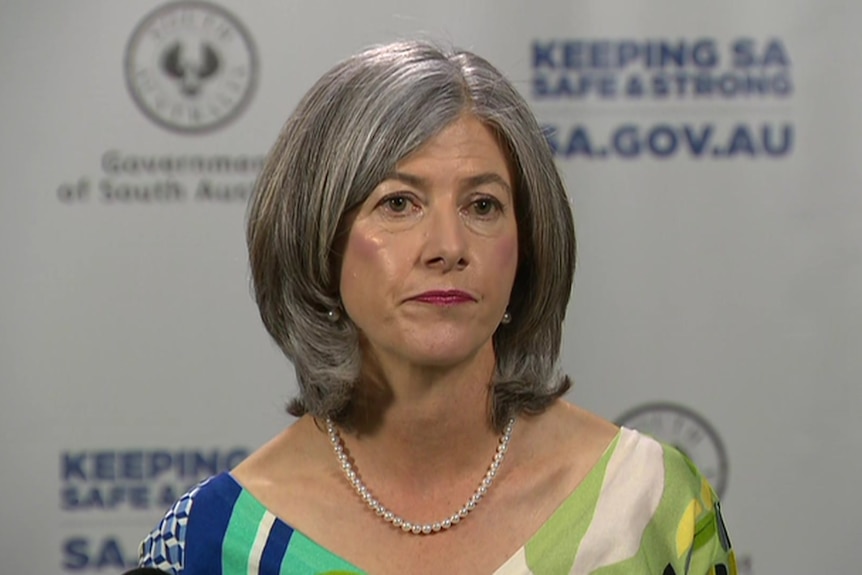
x: 397, y: 204
x: 485, y: 206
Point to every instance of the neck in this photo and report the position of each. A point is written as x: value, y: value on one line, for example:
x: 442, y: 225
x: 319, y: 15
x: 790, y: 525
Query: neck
x: 424, y: 424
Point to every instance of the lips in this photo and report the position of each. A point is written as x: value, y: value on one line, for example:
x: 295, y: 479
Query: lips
x: 444, y: 297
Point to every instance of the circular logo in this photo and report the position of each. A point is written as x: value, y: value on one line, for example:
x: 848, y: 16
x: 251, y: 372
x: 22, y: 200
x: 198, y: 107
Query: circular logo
x: 687, y: 431
x: 191, y: 66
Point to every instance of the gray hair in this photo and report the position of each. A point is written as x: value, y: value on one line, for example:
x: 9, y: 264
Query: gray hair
x: 346, y: 136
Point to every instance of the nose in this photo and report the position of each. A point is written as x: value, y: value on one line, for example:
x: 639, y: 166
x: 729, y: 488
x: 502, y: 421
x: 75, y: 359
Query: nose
x: 446, y: 240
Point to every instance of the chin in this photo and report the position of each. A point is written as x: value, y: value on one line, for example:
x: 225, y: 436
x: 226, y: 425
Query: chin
x: 444, y: 352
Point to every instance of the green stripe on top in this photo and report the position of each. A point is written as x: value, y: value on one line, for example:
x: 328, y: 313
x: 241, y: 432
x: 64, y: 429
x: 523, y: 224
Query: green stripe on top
x: 704, y: 530
x: 305, y: 557
x: 240, y: 534
x: 553, y: 548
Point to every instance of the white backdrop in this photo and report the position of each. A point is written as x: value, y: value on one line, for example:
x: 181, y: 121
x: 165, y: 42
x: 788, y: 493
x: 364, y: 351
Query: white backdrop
x: 711, y: 152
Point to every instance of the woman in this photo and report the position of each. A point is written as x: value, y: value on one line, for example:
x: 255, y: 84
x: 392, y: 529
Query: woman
x: 412, y: 252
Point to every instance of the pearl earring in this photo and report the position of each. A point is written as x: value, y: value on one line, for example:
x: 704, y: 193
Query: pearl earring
x: 507, y: 318
x: 333, y: 315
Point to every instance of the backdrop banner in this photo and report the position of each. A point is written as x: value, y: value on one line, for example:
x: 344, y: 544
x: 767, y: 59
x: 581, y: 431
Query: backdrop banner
x: 711, y: 151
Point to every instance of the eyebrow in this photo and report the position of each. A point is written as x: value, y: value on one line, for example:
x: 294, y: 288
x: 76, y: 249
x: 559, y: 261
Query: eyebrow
x: 471, y: 182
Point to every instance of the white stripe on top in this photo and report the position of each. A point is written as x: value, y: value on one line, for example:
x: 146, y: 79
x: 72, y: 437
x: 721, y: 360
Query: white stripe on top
x: 263, y: 529
x: 630, y: 494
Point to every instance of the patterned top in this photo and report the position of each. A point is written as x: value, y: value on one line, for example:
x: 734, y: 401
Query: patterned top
x: 643, y: 508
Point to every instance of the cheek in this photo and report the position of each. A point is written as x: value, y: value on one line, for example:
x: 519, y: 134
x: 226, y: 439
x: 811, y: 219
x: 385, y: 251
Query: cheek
x: 367, y: 261
x: 363, y: 247
x: 505, y: 255
x: 359, y: 254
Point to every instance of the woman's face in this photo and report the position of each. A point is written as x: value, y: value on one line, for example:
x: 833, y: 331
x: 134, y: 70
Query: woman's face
x: 431, y: 254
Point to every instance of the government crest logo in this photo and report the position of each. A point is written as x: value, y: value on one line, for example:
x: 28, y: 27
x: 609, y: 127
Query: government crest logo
x: 191, y: 66
x: 686, y: 430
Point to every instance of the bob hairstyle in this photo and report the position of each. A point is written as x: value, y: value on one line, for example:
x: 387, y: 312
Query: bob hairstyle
x: 346, y: 136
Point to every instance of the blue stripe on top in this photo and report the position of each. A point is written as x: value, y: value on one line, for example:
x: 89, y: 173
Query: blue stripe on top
x: 213, y: 508
x: 276, y: 547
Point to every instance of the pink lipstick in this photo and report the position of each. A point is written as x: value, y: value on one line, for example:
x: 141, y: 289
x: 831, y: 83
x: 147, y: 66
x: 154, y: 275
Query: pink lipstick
x: 444, y: 297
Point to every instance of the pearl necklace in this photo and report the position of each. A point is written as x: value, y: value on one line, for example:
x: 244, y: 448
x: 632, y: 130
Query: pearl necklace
x: 416, y: 528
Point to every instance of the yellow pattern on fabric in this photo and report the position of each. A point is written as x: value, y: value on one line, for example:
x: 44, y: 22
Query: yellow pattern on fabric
x: 709, y: 546
x: 706, y: 493
x: 685, y: 529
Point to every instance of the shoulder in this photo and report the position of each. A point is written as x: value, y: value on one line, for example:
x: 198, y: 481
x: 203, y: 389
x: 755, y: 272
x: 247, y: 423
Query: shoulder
x: 298, y: 460
x: 199, y: 516
x: 643, y: 507
x: 624, y: 459
x: 667, y: 470
x: 683, y: 513
x: 567, y: 428
x: 651, y: 511
x: 655, y: 466
x: 296, y: 450
x: 650, y: 470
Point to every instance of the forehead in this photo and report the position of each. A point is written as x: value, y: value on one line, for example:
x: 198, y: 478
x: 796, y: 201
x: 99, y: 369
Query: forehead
x: 465, y: 145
